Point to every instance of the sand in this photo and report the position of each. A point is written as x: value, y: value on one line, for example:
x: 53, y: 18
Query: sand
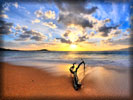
x: 99, y: 82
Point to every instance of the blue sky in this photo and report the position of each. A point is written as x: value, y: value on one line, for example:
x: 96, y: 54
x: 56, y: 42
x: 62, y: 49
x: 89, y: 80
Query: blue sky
x: 49, y: 25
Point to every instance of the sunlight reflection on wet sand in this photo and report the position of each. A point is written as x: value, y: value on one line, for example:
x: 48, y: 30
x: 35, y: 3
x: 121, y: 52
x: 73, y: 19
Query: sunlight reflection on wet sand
x: 102, y: 81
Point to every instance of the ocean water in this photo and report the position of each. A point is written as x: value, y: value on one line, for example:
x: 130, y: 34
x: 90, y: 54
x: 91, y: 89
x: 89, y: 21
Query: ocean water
x: 41, y: 58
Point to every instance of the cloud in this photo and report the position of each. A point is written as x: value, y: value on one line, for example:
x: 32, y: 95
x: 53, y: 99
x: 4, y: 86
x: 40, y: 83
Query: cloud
x: 97, y: 24
x: 25, y: 34
x: 36, y: 38
x: 66, y: 37
x: 63, y: 40
x: 38, y: 13
x: 18, y: 27
x: 31, y: 35
x: 45, y: 15
x: 4, y: 16
x: 49, y: 24
x: 102, y: 30
x: 106, y: 42
x: 74, y: 19
x: 5, y: 9
x: 35, y: 21
x: 70, y: 13
x: 99, y: 35
x: 76, y: 14
x: 106, y: 30
x: 15, y: 4
x: 73, y: 36
x: 73, y: 7
x: 83, y: 38
x: 115, y: 33
x: 50, y: 14
x: 66, y: 33
x: 24, y: 28
x: 120, y: 41
x: 5, y: 27
x: 23, y: 37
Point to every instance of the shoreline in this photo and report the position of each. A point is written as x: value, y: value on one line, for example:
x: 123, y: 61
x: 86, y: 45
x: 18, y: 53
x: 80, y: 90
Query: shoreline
x: 26, y: 82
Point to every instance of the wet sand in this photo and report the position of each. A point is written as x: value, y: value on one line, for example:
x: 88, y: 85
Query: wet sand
x: 99, y: 82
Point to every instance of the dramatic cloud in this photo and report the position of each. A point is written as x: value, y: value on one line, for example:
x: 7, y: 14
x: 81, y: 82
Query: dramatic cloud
x: 88, y: 25
x: 26, y: 34
x: 83, y: 17
x: 74, y: 19
x: 71, y: 14
x: 20, y: 29
x: 5, y: 28
x: 83, y: 38
x: 66, y: 33
x: 115, y: 33
x: 23, y: 37
x: 102, y: 30
x: 63, y: 40
x: 49, y: 24
x: 73, y: 7
x: 106, y: 30
x: 71, y: 36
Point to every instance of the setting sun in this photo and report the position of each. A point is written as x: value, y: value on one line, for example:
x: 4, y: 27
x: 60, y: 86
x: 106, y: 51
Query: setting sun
x: 73, y: 46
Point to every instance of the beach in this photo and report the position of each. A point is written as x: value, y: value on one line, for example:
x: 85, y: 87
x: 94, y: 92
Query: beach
x: 30, y: 82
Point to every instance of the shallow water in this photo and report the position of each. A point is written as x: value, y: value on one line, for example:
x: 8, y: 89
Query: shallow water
x: 40, y: 58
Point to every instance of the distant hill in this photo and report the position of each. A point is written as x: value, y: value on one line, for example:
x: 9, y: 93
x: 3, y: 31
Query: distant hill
x: 42, y: 50
x: 3, y: 49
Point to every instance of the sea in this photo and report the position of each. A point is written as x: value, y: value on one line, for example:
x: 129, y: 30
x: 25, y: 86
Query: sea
x: 53, y: 58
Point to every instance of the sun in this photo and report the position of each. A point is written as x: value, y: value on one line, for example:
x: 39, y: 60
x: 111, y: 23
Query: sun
x: 73, y: 46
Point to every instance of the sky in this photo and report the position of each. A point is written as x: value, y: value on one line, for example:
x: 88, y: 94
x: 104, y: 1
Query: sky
x: 66, y: 25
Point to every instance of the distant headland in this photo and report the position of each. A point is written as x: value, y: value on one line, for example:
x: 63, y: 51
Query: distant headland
x: 4, y: 49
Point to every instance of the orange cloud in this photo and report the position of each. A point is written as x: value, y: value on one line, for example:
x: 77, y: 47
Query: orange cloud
x: 49, y: 24
x: 50, y: 14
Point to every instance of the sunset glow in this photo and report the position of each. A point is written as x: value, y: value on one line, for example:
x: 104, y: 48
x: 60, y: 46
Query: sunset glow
x: 66, y: 26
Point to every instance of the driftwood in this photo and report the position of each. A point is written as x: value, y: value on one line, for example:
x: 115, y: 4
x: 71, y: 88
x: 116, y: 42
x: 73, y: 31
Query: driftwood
x: 76, y: 83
